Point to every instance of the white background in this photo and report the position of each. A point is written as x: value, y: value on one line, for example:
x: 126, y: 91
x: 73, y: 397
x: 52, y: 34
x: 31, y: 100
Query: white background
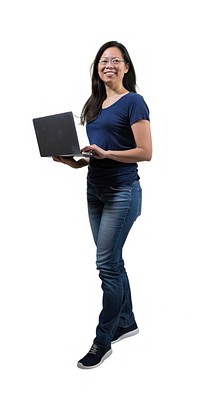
x: 50, y: 294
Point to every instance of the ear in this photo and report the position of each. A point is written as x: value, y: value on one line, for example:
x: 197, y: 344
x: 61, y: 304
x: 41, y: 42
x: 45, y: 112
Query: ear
x: 126, y: 68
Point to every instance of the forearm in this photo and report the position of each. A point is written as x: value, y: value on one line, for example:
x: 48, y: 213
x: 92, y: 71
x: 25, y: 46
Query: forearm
x: 129, y: 156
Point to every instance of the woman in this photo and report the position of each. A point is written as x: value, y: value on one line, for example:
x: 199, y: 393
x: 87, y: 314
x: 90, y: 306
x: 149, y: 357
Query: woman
x: 118, y: 128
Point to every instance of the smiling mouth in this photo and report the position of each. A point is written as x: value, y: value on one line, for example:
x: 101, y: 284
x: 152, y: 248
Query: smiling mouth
x: 109, y: 72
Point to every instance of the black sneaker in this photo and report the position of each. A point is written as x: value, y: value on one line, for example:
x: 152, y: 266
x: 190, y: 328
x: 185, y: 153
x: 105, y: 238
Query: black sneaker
x: 122, y: 333
x: 94, y: 357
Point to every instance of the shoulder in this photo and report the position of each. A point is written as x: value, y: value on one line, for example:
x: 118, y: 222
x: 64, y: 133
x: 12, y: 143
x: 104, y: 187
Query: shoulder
x: 135, y: 101
x: 136, y: 98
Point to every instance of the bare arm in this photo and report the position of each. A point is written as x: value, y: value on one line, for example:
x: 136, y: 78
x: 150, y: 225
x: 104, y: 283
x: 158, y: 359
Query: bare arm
x: 143, y: 151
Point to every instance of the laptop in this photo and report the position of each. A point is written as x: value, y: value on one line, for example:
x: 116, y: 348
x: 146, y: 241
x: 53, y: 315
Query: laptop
x: 57, y: 136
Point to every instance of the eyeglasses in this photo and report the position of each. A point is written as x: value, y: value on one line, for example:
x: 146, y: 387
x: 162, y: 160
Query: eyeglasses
x: 114, y: 61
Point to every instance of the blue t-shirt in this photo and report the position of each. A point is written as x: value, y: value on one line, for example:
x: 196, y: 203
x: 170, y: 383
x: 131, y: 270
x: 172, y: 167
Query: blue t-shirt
x: 111, y: 130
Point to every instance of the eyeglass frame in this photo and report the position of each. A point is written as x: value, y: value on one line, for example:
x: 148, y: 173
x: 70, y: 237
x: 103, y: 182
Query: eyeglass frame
x: 113, y: 61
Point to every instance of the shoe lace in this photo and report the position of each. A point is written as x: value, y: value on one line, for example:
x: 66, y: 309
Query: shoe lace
x: 94, y: 349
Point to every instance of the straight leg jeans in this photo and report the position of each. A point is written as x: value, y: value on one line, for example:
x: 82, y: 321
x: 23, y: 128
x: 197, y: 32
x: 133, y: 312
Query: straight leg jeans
x: 112, y: 212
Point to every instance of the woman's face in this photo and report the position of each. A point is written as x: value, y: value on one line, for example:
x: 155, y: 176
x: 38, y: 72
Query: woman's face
x: 111, y: 66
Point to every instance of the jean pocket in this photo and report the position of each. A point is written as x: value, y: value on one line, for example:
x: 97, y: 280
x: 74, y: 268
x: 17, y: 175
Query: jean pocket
x: 121, y: 188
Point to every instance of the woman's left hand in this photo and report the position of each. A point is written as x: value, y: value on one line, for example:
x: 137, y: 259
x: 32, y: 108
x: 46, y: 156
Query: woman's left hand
x: 97, y: 151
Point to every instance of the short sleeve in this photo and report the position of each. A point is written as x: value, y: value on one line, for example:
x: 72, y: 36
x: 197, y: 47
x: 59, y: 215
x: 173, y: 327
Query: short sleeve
x: 138, y: 109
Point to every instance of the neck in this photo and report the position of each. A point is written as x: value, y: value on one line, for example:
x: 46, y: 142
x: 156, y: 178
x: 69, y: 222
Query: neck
x: 115, y: 92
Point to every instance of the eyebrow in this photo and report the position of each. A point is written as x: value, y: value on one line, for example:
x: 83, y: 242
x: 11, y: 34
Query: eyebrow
x: 107, y: 58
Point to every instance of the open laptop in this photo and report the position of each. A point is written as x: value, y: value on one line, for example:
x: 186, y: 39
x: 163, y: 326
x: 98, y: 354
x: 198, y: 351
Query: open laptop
x: 57, y: 136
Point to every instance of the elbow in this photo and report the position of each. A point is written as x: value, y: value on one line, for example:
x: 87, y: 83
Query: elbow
x: 149, y: 155
x: 145, y: 154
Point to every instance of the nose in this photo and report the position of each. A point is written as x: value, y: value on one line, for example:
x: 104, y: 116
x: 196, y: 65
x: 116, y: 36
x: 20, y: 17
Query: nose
x: 109, y: 62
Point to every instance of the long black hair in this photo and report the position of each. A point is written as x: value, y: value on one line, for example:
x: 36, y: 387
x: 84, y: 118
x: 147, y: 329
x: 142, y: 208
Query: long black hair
x: 93, y: 105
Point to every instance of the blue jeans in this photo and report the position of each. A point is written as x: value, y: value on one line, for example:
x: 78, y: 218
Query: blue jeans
x: 112, y: 212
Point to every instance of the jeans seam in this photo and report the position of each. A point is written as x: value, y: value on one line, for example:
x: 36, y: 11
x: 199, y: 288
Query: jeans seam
x: 127, y: 211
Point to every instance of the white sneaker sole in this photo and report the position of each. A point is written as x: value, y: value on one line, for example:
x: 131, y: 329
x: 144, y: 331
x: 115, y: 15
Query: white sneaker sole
x: 80, y: 365
x: 128, y: 334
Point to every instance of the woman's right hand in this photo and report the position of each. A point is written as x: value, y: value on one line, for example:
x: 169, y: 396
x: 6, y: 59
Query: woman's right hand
x: 82, y: 162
